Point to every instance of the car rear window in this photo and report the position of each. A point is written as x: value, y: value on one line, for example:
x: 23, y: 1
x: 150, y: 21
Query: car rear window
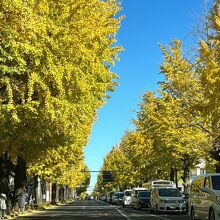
x: 144, y: 194
x: 216, y: 182
x: 169, y: 192
x: 121, y: 195
x: 127, y: 193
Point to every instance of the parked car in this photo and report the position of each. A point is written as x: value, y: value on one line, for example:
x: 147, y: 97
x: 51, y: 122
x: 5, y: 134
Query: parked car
x: 204, y: 197
x: 117, y: 198
x: 134, y: 194
x: 126, y: 201
x: 109, y: 196
x: 159, y: 183
x: 166, y: 199
x: 142, y: 200
x: 121, y: 196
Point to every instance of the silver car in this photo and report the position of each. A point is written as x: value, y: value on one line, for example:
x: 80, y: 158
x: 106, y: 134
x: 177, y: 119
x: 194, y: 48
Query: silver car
x: 204, y: 197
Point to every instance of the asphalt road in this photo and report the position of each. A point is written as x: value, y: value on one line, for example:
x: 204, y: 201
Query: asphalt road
x: 92, y: 210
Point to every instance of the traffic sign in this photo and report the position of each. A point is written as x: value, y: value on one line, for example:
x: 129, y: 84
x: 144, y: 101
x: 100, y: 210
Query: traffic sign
x: 107, y: 176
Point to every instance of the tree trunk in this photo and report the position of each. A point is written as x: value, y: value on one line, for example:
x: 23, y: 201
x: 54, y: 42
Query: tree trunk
x: 55, y: 193
x: 4, y: 178
x: 66, y: 193
x: 215, y: 154
x: 61, y: 193
x: 176, y: 177
x: 48, y: 192
x: 20, y: 180
x: 172, y: 174
x: 186, y: 168
x: 6, y: 170
x: 37, y: 190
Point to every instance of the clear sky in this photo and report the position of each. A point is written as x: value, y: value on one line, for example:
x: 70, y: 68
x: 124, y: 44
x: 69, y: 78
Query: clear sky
x: 147, y: 23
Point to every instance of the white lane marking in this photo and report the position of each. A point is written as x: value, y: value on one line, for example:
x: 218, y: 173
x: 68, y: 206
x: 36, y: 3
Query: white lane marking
x: 146, y: 214
x: 138, y: 214
x: 89, y: 206
x: 116, y: 210
x: 121, y: 213
x: 156, y: 216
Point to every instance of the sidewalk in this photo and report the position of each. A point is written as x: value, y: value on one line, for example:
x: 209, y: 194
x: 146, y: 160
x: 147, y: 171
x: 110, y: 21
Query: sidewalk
x: 30, y: 211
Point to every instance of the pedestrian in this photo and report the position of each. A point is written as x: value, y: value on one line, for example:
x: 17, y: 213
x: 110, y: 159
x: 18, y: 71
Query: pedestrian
x: 2, y: 204
x: 22, y: 201
x: 31, y: 200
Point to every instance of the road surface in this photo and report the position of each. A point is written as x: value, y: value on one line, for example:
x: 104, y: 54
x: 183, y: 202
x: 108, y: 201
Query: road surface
x: 97, y: 210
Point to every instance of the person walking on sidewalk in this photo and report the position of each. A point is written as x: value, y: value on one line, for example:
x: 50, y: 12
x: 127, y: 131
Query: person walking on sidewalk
x: 31, y: 200
x: 2, y: 204
x: 22, y: 201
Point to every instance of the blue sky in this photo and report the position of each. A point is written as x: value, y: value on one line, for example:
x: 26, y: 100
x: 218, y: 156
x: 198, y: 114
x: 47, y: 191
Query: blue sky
x: 147, y: 23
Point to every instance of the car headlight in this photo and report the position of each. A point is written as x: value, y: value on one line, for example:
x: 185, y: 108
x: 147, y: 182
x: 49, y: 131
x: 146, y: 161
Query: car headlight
x: 218, y: 199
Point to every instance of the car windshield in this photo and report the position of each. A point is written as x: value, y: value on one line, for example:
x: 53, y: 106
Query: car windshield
x: 169, y: 192
x: 144, y: 194
x: 121, y: 195
x: 216, y: 182
x: 127, y: 193
x: 117, y: 194
x: 162, y: 182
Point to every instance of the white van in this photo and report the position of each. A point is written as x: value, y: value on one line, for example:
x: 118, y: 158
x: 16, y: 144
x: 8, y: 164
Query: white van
x: 159, y: 183
x: 204, y: 197
x: 167, y: 199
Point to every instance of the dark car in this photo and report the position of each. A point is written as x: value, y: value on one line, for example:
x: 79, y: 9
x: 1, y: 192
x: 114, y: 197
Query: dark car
x: 109, y: 196
x: 117, y: 198
x: 120, y: 199
x: 142, y: 200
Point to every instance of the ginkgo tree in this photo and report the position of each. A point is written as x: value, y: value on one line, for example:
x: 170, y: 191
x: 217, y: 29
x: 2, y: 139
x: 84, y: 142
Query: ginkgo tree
x: 180, y: 124
x: 54, y: 74
x: 209, y: 74
x: 175, y: 140
x: 185, y: 83
x: 128, y: 163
